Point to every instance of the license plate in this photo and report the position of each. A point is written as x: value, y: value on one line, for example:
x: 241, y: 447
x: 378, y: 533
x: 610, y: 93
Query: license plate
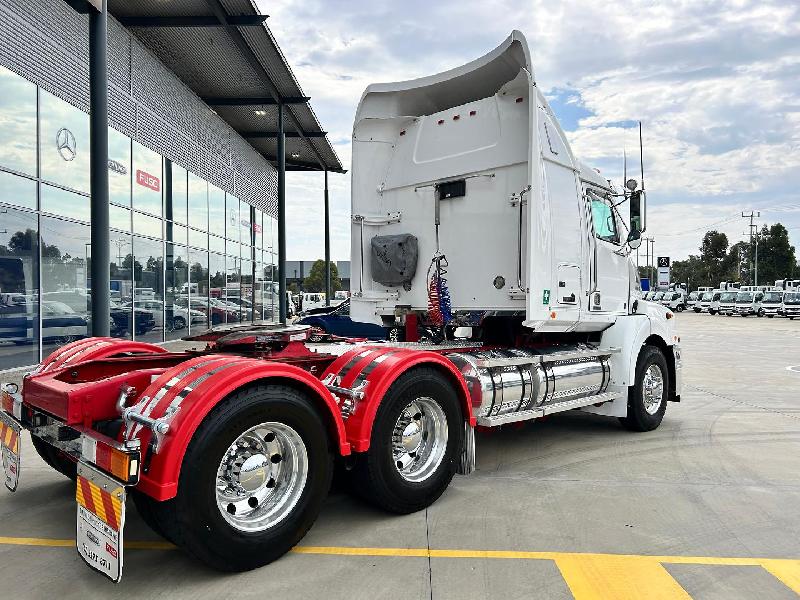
x: 101, y: 519
x: 11, y: 444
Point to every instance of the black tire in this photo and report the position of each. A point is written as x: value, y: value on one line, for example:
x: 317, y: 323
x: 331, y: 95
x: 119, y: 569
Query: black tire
x: 638, y: 419
x: 55, y: 458
x: 375, y: 476
x: 770, y: 316
x: 192, y: 519
x: 178, y: 323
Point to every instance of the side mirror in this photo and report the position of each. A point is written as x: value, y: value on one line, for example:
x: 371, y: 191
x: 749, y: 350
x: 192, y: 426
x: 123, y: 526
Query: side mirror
x: 634, y: 239
x: 638, y: 208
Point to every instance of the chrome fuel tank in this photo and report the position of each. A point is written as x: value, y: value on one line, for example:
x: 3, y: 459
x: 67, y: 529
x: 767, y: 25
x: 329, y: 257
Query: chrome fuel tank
x: 512, y: 380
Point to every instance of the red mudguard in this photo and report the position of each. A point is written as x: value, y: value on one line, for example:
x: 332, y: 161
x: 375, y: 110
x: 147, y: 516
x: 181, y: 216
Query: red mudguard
x: 186, y: 393
x: 379, y: 367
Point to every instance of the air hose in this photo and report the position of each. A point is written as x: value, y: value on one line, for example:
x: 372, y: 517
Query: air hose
x: 439, y: 305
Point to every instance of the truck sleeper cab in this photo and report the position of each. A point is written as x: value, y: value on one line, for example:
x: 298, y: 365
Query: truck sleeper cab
x: 239, y: 441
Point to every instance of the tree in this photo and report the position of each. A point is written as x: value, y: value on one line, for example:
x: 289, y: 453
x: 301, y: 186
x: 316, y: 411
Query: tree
x: 713, y: 251
x: 776, y: 256
x: 315, y: 282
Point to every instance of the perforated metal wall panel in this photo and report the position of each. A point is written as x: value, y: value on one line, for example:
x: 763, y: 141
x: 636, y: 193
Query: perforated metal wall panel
x: 46, y: 42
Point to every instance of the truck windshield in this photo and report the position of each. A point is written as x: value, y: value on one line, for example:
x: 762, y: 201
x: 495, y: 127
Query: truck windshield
x: 728, y: 297
x: 693, y: 296
x: 744, y: 297
x: 707, y: 296
x: 773, y: 297
x: 791, y: 298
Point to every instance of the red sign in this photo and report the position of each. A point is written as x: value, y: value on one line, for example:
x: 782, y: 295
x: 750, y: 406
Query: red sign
x: 149, y: 181
x: 256, y: 227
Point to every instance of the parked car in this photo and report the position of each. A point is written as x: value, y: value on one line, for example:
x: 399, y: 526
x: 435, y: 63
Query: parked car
x: 178, y: 320
x: 217, y: 312
x: 749, y: 303
x: 338, y: 322
x: 60, y: 324
x: 771, y: 303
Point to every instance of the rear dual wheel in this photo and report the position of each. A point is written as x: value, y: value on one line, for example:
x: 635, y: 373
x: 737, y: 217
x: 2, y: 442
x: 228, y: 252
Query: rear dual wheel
x: 252, y: 482
x: 415, y: 444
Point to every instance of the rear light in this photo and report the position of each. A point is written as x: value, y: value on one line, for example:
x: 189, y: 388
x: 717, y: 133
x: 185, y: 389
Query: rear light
x: 120, y: 462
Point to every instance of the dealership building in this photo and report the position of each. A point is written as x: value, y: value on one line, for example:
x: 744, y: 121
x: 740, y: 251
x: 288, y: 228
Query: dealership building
x: 201, y: 102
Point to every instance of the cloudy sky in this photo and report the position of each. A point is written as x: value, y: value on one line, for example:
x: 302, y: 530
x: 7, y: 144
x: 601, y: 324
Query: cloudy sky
x: 714, y: 82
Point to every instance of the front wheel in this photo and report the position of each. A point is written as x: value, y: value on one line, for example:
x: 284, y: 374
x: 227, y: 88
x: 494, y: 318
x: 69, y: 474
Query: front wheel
x: 415, y: 444
x: 253, y: 480
x: 647, y: 398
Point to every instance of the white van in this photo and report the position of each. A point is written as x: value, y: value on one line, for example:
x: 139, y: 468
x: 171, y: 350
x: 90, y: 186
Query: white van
x: 771, y: 303
x: 674, y: 300
x: 749, y: 303
x: 312, y: 300
x: 709, y: 302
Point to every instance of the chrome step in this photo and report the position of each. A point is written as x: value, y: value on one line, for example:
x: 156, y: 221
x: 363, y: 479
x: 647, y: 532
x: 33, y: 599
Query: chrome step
x: 541, y: 411
x: 516, y: 361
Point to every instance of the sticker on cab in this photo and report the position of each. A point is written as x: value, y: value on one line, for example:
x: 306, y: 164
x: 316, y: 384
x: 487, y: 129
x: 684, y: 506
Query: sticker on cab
x: 100, y: 521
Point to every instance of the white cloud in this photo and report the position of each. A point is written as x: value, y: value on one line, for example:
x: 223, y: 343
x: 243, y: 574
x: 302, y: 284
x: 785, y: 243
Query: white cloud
x: 714, y: 82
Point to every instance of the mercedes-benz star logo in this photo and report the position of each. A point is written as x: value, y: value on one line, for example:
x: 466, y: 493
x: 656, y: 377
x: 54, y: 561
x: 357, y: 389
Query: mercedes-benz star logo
x: 66, y: 145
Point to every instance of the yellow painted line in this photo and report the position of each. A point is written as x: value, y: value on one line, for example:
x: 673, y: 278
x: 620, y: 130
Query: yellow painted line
x: 54, y: 543
x: 592, y: 577
x: 788, y: 571
x: 588, y: 575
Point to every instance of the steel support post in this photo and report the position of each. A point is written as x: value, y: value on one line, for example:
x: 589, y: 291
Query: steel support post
x: 281, y: 216
x: 327, y: 245
x: 98, y: 170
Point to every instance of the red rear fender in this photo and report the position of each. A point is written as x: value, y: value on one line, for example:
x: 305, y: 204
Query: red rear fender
x: 185, y: 394
x: 379, y: 367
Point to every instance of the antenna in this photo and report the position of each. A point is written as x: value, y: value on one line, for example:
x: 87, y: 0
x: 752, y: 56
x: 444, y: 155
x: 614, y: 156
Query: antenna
x: 624, y: 170
x: 641, y: 153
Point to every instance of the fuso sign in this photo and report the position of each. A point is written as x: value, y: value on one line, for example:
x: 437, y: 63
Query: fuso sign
x: 149, y: 181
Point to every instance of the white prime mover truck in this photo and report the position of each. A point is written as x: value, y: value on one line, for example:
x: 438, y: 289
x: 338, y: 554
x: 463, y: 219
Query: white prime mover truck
x: 474, y: 226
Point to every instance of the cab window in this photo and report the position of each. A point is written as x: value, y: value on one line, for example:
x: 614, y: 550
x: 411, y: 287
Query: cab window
x: 605, y: 226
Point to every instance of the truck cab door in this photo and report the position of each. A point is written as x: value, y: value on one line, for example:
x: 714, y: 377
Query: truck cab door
x: 612, y: 267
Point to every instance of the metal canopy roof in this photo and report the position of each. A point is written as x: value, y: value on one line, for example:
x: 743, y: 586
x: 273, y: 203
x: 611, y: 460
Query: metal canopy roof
x: 224, y: 52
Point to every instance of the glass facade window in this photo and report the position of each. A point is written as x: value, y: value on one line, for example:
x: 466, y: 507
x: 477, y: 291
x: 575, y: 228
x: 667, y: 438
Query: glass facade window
x: 64, y: 147
x: 216, y: 211
x: 65, y: 278
x: 184, y: 256
x: 17, y: 123
x: 148, y: 289
x: 62, y: 202
x: 146, y: 225
x: 146, y: 180
x: 178, y: 317
x: 177, y: 207
x: 119, y: 168
x: 120, y: 218
x: 198, y: 203
x: 19, y: 292
x: 17, y: 190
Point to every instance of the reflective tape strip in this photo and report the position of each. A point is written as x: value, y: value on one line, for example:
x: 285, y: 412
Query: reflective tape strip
x: 74, y: 353
x: 99, y: 502
x: 365, y: 372
x: 9, y: 438
x: 178, y: 383
x: 373, y: 354
x: 352, y: 362
x: 175, y: 404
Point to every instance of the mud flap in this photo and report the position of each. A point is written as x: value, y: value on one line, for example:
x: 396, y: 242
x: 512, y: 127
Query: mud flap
x: 100, y: 521
x: 10, y: 446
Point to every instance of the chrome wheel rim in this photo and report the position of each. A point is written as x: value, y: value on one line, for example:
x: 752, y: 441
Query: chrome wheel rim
x: 653, y: 389
x: 261, y: 477
x: 419, y: 439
